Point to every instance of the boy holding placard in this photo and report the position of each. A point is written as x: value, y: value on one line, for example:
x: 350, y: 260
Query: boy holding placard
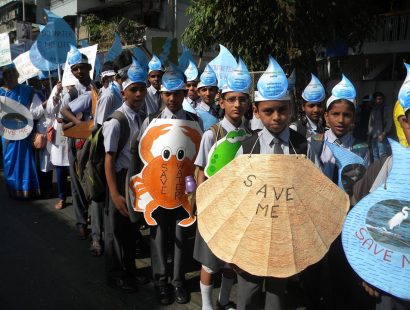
x: 272, y: 107
x: 339, y: 115
x: 235, y: 103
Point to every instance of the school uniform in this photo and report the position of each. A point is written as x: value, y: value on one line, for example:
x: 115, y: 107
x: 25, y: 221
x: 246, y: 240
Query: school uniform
x: 345, y: 291
x: 202, y: 253
x: 80, y: 104
x: 152, y: 101
x: 192, y: 103
x: 167, y: 227
x: 307, y: 128
x: 250, y: 295
x: 107, y: 103
x: 120, y: 233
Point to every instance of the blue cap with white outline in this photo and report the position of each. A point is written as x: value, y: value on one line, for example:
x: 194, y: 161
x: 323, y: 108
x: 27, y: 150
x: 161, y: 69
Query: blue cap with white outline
x: 314, y: 91
x: 343, y: 90
x: 136, y: 74
x: 155, y: 64
x: 208, y: 78
x: 404, y: 92
x: 191, y: 72
x: 75, y: 57
x: 273, y: 84
x: 238, y: 80
x: 173, y: 80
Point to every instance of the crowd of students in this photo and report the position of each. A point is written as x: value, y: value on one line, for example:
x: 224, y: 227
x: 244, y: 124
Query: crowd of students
x: 329, y: 284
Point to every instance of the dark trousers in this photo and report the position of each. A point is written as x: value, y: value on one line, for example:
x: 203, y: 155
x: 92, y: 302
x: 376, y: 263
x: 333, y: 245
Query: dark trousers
x: 161, y: 235
x: 46, y: 183
x: 120, y: 238
x: 316, y: 285
x: 347, y: 290
x: 250, y: 295
x: 62, y: 183
x: 80, y: 204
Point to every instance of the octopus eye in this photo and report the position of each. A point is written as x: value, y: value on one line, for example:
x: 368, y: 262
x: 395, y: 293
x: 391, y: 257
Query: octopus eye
x: 166, y: 154
x: 181, y: 154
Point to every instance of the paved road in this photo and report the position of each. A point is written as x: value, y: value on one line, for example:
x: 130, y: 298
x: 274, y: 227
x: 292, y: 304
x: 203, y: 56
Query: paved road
x: 44, y: 266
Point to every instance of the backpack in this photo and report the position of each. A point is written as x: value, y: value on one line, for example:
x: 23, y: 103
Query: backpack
x: 90, y: 159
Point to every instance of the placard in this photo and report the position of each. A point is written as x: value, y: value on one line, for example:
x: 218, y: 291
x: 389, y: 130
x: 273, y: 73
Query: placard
x: 91, y: 53
x: 168, y: 149
x: 376, y: 234
x: 16, y: 121
x: 261, y: 213
x: 5, y: 54
x: 25, y: 68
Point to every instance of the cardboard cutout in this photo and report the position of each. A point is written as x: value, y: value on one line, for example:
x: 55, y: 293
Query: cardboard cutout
x: 351, y: 167
x: 262, y: 214
x: 224, y: 151
x: 16, y: 121
x: 168, y: 149
x: 376, y: 233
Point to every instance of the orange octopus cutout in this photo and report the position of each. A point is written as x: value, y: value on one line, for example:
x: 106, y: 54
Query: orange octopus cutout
x: 168, y: 149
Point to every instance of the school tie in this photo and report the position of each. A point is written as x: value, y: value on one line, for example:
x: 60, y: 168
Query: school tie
x: 335, y: 176
x: 173, y: 116
x: 276, y: 143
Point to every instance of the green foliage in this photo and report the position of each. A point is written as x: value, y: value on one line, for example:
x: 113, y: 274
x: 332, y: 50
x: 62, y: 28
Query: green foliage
x: 102, y: 30
x: 290, y: 30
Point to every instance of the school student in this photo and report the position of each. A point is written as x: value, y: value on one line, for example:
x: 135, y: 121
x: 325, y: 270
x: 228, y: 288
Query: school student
x: 272, y: 107
x: 313, y: 107
x: 120, y: 232
x: 167, y: 228
x: 192, y: 98
x: 155, y: 72
x: 109, y: 100
x: 207, y: 90
x: 340, y: 111
x: 235, y: 102
x: 78, y: 101
x: 107, y: 76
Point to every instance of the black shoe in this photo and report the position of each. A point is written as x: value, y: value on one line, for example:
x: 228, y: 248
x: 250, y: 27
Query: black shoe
x: 229, y: 306
x: 82, y: 232
x: 181, y: 295
x: 124, y: 285
x: 164, y: 294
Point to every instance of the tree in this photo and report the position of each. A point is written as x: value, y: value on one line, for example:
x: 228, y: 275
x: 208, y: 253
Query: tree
x: 290, y: 30
x: 102, y: 30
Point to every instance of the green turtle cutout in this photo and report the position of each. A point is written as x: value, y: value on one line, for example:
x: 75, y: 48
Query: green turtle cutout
x: 224, y: 151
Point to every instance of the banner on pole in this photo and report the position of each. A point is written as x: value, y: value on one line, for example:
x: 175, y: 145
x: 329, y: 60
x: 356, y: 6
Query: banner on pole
x: 5, y: 54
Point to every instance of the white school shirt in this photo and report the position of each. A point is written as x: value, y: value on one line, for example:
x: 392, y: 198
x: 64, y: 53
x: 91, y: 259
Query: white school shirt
x: 327, y: 158
x: 111, y: 132
x: 266, y: 141
x: 192, y: 103
x: 106, y: 105
x: 167, y: 114
x: 152, y: 101
x: 208, y: 141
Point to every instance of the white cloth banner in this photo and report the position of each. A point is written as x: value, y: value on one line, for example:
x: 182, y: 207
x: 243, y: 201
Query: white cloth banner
x: 91, y: 53
x: 25, y: 67
x: 5, y: 54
